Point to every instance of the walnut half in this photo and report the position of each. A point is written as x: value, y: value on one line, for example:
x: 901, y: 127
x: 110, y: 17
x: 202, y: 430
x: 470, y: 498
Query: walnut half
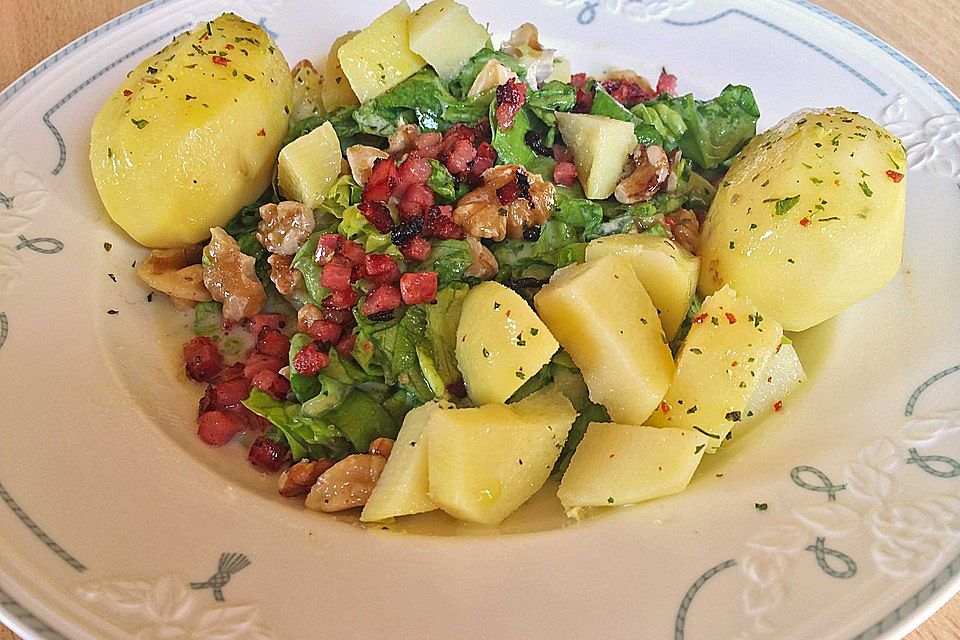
x: 510, y: 201
x: 230, y: 277
x: 177, y: 273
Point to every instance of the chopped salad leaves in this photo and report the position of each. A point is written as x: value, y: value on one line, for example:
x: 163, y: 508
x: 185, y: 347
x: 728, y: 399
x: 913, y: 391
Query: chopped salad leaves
x: 369, y: 301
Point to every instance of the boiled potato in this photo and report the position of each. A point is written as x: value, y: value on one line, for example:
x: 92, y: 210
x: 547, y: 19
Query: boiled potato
x: 605, y: 320
x: 403, y: 487
x: 600, y: 147
x: 379, y: 57
x: 501, y: 343
x: 809, y: 218
x: 485, y: 462
x: 618, y: 464
x: 783, y: 376
x: 443, y: 33
x: 667, y: 271
x: 307, y: 91
x: 718, y: 367
x: 336, y: 91
x: 309, y: 166
x: 191, y: 135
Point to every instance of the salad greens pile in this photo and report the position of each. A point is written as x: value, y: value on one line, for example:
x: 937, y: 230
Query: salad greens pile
x: 408, y: 360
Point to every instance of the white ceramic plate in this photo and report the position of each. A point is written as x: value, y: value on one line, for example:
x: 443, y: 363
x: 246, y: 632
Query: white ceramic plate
x: 117, y: 522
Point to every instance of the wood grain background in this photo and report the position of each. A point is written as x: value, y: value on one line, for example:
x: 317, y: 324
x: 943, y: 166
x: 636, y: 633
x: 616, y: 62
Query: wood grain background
x: 926, y: 32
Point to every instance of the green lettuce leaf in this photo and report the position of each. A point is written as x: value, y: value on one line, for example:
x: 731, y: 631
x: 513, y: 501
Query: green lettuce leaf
x: 308, y: 437
x: 362, y: 419
x: 450, y: 259
x: 511, y: 144
x: 461, y: 84
x: 436, y: 354
x: 447, y: 190
x: 304, y: 261
x: 343, y: 122
x: 207, y: 317
x: 552, y: 97
x: 356, y: 227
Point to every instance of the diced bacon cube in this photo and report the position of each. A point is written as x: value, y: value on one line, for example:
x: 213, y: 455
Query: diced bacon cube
x: 337, y: 274
x: 202, y: 359
x: 272, y: 383
x: 271, y: 342
x: 324, y: 331
x: 346, y: 344
x: 352, y: 250
x: 564, y: 173
x: 310, y: 360
x: 217, y: 428
x: 273, y: 320
x: 327, y: 246
x: 418, y: 288
x: 383, y: 298
x: 377, y: 214
x: 267, y: 455
x: 258, y: 362
x: 416, y: 248
x: 381, y: 265
x: 345, y: 299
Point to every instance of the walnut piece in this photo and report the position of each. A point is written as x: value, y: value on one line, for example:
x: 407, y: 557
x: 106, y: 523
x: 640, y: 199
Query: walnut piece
x: 285, y: 227
x: 230, y: 277
x: 177, y: 273
x: 346, y: 484
x: 524, y: 43
x: 298, y: 479
x: 482, y: 215
x: 361, y: 157
x: 650, y: 170
x: 686, y: 229
x: 492, y: 75
x: 381, y: 447
x: 484, y: 262
x: 287, y: 279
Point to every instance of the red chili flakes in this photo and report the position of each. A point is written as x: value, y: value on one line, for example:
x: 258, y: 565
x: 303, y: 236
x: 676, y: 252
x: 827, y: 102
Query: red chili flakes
x: 700, y: 318
x: 229, y: 47
x: 778, y: 405
x: 734, y: 363
x: 896, y: 176
x: 805, y: 222
x: 127, y: 93
x: 261, y: 133
x: 220, y: 60
x: 732, y: 319
x: 664, y: 407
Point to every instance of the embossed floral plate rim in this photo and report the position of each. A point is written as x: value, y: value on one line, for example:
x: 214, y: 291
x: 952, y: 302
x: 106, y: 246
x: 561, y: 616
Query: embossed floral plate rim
x: 211, y: 589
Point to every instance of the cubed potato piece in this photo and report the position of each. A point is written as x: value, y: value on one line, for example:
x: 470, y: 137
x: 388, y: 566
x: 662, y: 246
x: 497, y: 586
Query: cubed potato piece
x: 336, y: 90
x: 600, y: 147
x: 605, y: 320
x: 444, y: 34
x: 310, y: 165
x: 618, y: 464
x: 307, y: 91
x: 501, y: 343
x: 404, y: 485
x: 487, y: 461
x: 718, y: 367
x: 379, y: 57
x: 667, y: 271
x: 187, y: 139
x: 782, y: 377
x: 809, y: 219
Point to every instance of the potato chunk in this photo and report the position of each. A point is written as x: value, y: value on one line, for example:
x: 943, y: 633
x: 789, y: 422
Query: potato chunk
x: 809, y: 218
x: 667, y: 271
x: 403, y: 487
x: 190, y: 136
x: 309, y: 165
x: 379, y: 57
x: 618, y: 464
x: 600, y: 146
x: 718, y: 367
x: 336, y: 91
x: 501, y: 343
x: 307, y: 91
x: 486, y: 462
x: 444, y: 34
x: 605, y: 320
x: 782, y: 377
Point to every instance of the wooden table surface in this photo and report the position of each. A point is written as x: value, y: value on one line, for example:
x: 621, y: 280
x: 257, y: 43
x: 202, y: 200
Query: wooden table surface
x: 926, y: 33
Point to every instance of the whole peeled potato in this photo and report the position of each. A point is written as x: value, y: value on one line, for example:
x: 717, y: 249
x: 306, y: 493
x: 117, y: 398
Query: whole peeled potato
x: 192, y: 134
x: 809, y: 218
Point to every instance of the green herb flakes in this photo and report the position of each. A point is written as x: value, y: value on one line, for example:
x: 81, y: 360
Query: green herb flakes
x: 140, y: 124
x: 866, y: 189
x: 784, y: 205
